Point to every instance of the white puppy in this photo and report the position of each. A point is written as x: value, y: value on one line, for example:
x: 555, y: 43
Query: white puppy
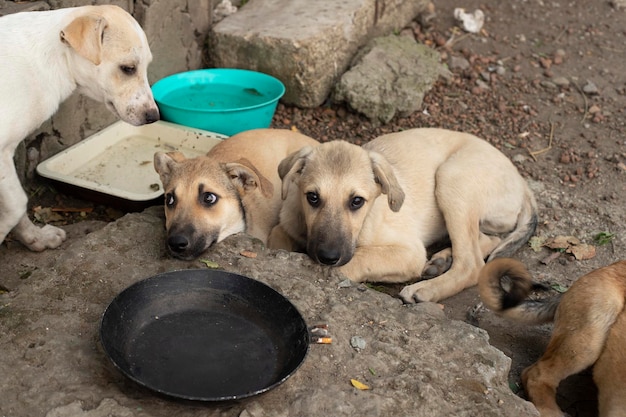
x: 100, y: 51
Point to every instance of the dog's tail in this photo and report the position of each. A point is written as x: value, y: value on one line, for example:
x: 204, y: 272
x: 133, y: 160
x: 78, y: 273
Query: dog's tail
x: 524, y: 229
x: 504, y: 285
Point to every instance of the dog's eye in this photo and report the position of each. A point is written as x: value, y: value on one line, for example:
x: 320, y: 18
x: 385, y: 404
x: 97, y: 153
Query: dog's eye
x: 313, y: 199
x: 170, y: 200
x: 356, y: 203
x: 128, y: 69
x: 209, y: 199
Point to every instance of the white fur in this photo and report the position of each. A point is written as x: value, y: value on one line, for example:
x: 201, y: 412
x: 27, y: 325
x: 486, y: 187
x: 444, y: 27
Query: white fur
x: 39, y: 69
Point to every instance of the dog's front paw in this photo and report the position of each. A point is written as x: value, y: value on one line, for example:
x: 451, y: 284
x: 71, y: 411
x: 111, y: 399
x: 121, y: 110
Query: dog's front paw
x: 418, y: 293
x: 47, y: 237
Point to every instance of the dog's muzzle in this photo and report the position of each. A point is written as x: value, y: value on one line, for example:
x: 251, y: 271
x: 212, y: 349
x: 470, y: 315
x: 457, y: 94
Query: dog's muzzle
x: 152, y: 116
x: 186, y: 245
x: 328, y: 257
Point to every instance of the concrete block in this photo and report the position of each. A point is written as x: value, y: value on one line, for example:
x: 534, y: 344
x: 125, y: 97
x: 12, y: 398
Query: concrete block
x: 306, y: 44
x: 176, y: 30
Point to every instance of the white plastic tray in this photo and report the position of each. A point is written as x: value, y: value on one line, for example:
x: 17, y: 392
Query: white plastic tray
x: 118, y: 160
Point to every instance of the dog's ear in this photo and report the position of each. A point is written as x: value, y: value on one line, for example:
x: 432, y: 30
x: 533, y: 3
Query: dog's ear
x: 165, y: 163
x: 245, y: 175
x: 84, y: 34
x: 290, y: 166
x: 384, y: 175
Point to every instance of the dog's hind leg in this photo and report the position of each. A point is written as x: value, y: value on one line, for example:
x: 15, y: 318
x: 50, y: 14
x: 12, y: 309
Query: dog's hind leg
x: 609, y: 372
x: 578, y: 339
x: 462, y: 212
x: 441, y: 261
x: 13, y: 201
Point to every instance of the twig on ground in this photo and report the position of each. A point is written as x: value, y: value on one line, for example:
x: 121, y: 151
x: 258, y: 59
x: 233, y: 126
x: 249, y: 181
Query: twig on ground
x: 455, y: 39
x: 582, y: 93
x: 71, y: 209
x: 534, y: 154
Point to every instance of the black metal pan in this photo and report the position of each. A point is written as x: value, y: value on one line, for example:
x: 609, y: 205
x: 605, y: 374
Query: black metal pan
x: 204, y: 335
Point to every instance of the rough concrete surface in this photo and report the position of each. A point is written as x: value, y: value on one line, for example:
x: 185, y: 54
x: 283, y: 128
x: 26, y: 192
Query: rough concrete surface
x: 416, y: 361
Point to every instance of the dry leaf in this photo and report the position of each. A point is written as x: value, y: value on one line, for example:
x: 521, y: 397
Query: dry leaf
x: 46, y: 215
x: 572, y: 245
x: 582, y: 251
x: 562, y: 242
x: 536, y: 242
x: 359, y: 385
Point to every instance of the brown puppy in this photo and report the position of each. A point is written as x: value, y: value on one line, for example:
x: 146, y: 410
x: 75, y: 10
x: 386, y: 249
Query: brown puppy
x: 233, y: 189
x: 589, y: 329
x: 438, y: 183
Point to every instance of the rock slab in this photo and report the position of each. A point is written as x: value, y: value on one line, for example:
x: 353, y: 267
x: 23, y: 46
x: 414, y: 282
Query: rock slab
x: 415, y: 360
x: 390, y: 77
x: 306, y: 44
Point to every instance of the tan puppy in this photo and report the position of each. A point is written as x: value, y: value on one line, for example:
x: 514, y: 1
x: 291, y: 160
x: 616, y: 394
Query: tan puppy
x: 589, y: 330
x: 233, y: 189
x: 437, y: 183
x: 100, y: 51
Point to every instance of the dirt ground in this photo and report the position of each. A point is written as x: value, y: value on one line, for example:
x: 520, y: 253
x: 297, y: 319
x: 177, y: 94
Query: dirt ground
x: 544, y: 81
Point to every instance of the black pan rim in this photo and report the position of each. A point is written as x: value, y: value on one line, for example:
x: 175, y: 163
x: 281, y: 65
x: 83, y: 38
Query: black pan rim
x: 193, y: 398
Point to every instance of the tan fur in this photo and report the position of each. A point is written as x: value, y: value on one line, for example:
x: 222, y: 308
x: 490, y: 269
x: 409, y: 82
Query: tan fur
x: 437, y: 182
x: 589, y: 330
x: 241, y: 173
x: 100, y: 51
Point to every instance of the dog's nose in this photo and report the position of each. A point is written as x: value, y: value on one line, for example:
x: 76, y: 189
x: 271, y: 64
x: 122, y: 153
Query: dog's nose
x: 177, y: 243
x: 152, y: 116
x: 328, y: 256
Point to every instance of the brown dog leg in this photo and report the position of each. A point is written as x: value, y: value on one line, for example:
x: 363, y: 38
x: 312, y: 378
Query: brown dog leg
x: 609, y: 372
x: 582, y: 323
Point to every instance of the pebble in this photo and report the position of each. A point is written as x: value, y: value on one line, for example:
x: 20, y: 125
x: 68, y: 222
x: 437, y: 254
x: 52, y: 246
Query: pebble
x: 560, y: 81
x: 594, y: 109
x: 357, y: 342
x: 482, y: 85
x: 346, y: 283
x: 549, y: 85
x: 590, y: 88
x: 559, y: 56
x: 458, y: 62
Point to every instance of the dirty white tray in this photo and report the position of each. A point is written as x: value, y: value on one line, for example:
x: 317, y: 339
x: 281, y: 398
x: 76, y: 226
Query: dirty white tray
x: 118, y: 160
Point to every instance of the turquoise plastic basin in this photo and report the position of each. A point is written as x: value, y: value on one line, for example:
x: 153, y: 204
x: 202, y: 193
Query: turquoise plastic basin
x: 221, y: 100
